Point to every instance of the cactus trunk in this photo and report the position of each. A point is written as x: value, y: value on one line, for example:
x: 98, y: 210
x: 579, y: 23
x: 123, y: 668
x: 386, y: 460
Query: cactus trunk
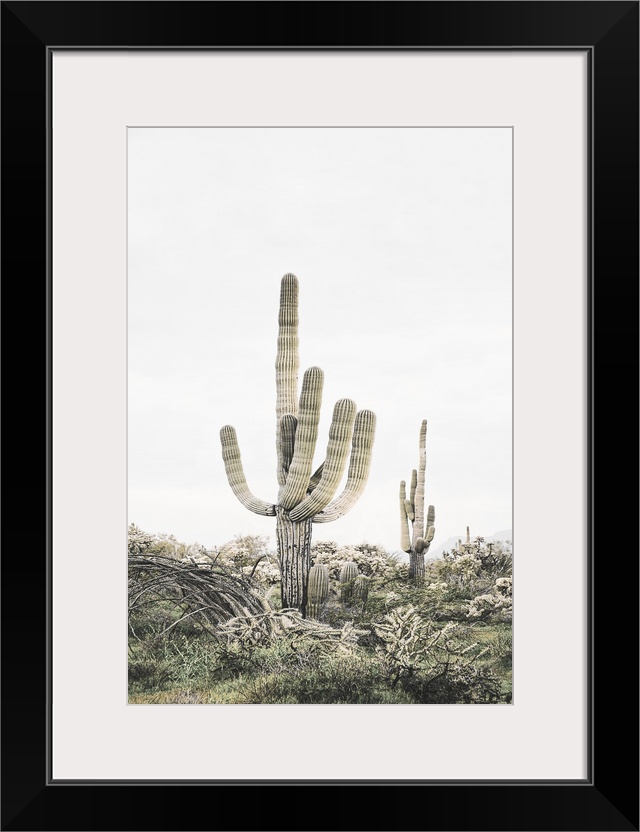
x: 416, y: 566
x: 294, y: 553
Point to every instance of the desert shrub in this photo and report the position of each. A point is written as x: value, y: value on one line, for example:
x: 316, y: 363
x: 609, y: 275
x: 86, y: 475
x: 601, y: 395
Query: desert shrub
x: 372, y: 560
x: 250, y: 556
x: 501, y: 644
x: 411, y: 643
x: 473, y: 568
x: 496, y: 605
x: 463, y: 683
x: 434, y: 662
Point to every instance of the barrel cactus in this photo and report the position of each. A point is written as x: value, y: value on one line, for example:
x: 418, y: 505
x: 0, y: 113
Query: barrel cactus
x: 304, y: 496
x: 416, y: 543
x: 318, y: 589
x: 361, y: 590
x: 348, y: 575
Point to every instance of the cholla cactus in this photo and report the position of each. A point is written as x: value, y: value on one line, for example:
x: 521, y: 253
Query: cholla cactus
x: 417, y: 543
x: 318, y: 589
x: 304, y: 497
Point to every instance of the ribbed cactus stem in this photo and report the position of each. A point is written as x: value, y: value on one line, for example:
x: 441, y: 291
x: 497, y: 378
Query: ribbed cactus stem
x: 430, y: 529
x: 412, y: 489
x: 344, y: 414
x: 416, y: 565
x: 359, y: 465
x: 287, y: 358
x: 235, y: 474
x: 348, y: 574
x: 361, y: 590
x: 294, y: 554
x: 299, y: 475
x: 417, y: 543
x: 318, y: 589
x: 288, y: 425
x: 405, y: 543
x: 418, y: 525
x: 315, y: 478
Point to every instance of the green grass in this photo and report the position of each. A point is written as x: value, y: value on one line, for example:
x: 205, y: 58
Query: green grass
x: 194, y: 670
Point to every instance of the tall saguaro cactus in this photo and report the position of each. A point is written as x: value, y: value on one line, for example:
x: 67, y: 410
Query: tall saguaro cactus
x: 304, y: 496
x: 416, y: 543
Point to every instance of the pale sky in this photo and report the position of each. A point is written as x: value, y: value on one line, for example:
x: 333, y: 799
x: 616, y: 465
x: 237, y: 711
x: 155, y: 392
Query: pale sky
x: 401, y: 240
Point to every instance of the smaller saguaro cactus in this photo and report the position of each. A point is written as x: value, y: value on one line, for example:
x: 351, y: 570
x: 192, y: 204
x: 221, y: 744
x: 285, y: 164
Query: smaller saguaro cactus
x: 461, y: 547
x: 348, y: 575
x: 361, y: 590
x: 417, y: 543
x: 318, y: 589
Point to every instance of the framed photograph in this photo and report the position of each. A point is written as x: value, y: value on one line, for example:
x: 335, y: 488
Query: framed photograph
x: 308, y: 270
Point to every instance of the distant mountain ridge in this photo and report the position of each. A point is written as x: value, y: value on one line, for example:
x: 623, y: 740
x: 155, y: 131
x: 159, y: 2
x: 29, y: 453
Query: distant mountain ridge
x: 452, y: 542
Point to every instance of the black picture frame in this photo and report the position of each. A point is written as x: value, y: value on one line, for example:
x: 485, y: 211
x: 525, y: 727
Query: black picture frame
x: 608, y: 798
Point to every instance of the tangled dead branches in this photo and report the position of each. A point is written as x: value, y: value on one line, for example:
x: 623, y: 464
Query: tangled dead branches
x: 253, y: 628
x: 204, y: 595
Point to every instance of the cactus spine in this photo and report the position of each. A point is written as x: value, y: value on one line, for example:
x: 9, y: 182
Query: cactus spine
x: 318, y: 589
x: 348, y: 576
x: 304, y: 497
x: 416, y: 541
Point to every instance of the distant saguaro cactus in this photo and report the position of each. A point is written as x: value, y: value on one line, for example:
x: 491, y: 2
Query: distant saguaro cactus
x: 303, y: 497
x: 417, y: 543
x: 462, y: 548
x: 318, y: 589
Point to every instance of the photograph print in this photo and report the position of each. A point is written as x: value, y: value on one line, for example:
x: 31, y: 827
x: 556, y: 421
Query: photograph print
x: 320, y: 415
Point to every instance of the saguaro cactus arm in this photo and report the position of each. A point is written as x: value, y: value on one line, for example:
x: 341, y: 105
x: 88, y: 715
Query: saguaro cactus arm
x: 236, y: 477
x: 287, y: 358
x: 412, y: 491
x: 359, y: 465
x: 315, y: 478
x: 405, y: 543
x: 288, y: 425
x: 431, y: 529
x: 340, y: 432
x: 295, y: 488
